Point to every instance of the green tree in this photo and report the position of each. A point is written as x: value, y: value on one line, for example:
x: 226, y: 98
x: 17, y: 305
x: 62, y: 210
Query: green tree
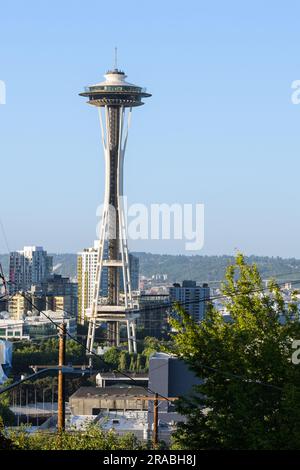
x: 92, y: 438
x: 250, y: 395
x: 132, y: 366
x: 111, y: 357
x: 7, y: 417
x: 140, y: 362
x: 45, y: 352
x: 5, y: 443
x: 151, y: 345
x: 123, y: 361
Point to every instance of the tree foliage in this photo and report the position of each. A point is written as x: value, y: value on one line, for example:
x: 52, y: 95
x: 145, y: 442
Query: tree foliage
x: 92, y: 438
x: 250, y: 394
x: 133, y: 362
x: 45, y: 352
x: 7, y: 417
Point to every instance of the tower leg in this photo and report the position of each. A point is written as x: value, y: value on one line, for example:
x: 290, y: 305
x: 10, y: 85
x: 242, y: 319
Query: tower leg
x: 129, y: 336
x: 91, y: 335
x: 117, y: 334
x: 90, y: 341
x: 133, y: 327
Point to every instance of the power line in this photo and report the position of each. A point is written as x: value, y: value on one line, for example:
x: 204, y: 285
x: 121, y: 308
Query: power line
x: 90, y: 351
x: 174, y: 303
x: 197, y: 301
x: 132, y: 379
x: 169, y: 304
x: 244, y: 379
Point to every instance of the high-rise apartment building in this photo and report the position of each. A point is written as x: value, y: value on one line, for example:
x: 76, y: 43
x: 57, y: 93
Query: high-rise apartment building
x: 192, y: 298
x: 86, y: 275
x: 61, y: 294
x: 28, y: 267
x: 154, y: 312
x: 134, y: 270
x: 57, y: 294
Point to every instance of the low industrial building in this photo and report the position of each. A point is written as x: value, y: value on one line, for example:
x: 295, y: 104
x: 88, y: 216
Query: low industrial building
x: 127, y: 408
x: 93, y: 400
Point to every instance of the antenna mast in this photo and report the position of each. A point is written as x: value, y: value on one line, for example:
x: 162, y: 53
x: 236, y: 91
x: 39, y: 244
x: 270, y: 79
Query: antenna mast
x: 116, y: 58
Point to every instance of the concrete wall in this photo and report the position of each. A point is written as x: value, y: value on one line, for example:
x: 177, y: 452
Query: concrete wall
x: 170, y: 377
x: 86, y: 405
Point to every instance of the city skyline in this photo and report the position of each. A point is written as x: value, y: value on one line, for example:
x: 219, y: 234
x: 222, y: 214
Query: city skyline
x: 149, y: 255
x: 232, y: 144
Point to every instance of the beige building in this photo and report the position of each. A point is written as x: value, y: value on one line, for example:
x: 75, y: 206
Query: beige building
x: 18, y: 306
x: 59, y: 303
x: 93, y: 400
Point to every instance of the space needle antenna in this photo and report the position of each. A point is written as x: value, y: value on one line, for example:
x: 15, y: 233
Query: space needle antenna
x: 116, y: 58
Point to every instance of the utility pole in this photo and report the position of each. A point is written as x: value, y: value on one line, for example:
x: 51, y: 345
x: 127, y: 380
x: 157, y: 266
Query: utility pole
x: 155, y: 420
x: 61, y: 379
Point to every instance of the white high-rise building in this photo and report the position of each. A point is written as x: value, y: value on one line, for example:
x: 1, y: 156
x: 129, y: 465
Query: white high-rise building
x: 86, y: 274
x: 191, y: 297
x: 30, y: 266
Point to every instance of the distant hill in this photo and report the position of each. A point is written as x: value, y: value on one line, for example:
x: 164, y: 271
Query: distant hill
x: 65, y: 264
x: 212, y: 268
x: 180, y: 267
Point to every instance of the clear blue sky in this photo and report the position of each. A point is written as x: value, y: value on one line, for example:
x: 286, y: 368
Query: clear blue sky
x: 220, y: 127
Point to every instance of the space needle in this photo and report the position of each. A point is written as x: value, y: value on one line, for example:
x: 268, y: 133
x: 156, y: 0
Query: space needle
x: 115, y: 98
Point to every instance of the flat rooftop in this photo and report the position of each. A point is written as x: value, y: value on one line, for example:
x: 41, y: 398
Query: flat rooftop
x: 117, y: 375
x: 94, y: 392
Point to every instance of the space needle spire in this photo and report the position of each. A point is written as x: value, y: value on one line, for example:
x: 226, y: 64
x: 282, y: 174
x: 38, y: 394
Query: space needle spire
x: 115, y: 98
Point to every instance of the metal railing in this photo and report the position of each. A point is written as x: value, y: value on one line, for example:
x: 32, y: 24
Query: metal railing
x: 115, y: 88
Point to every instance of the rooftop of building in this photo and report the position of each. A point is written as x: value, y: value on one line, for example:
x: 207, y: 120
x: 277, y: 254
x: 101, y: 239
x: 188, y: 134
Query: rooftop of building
x: 94, y: 392
x: 189, y: 284
x: 129, y: 375
x: 124, y: 420
x: 163, y: 355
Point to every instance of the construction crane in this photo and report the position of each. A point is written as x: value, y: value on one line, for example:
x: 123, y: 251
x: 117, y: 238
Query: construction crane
x: 3, y: 284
